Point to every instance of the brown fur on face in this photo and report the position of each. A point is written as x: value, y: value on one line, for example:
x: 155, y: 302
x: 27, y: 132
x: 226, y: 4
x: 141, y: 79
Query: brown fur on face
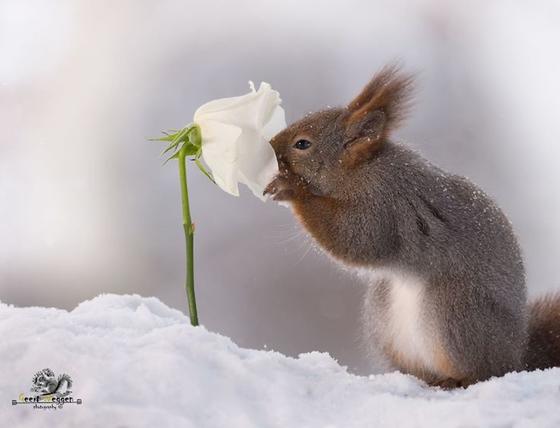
x: 341, y: 139
x: 321, y: 181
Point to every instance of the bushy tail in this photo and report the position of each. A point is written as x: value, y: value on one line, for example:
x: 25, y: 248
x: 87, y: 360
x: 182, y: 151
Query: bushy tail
x: 544, y: 333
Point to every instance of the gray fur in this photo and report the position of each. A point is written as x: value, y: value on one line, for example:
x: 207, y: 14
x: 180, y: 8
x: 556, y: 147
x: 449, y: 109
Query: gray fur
x: 414, y: 217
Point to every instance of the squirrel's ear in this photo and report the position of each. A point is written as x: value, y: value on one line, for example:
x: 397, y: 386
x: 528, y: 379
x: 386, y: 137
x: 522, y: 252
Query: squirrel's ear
x: 375, y: 112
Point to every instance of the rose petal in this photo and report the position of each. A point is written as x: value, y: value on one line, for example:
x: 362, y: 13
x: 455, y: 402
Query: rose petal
x: 219, y: 152
x: 235, y: 138
x: 222, y: 104
x: 267, y: 102
x: 276, y: 124
x: 256, y: 162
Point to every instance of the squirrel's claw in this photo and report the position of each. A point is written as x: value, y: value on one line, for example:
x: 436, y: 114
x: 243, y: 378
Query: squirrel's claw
x: 270, y: 189
x: 278, y: 190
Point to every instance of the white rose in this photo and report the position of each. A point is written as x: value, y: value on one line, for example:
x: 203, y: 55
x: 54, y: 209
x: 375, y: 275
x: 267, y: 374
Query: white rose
x: 235, y: 138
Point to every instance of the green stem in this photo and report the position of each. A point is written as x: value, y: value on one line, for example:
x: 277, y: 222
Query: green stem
x: 188, y: 226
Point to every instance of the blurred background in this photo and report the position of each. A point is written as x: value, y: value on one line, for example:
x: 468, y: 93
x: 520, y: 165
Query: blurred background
x: 86, y: 206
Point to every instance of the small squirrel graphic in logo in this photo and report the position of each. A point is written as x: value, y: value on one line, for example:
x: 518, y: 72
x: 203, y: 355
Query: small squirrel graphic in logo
x: 46, y: 383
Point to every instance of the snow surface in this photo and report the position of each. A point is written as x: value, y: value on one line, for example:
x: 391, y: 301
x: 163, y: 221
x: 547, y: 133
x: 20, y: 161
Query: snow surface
x: 136, y: 363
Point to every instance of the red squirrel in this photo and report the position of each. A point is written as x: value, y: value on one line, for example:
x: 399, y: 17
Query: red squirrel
x: 446, y: 299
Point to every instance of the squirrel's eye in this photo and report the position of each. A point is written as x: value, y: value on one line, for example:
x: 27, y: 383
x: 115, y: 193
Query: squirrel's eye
x: 302, y: 144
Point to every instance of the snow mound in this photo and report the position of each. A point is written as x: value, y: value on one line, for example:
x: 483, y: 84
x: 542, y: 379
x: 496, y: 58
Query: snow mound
x: 137, y: 363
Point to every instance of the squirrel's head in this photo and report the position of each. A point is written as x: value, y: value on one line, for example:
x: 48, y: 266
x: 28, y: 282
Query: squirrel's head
x: 318, y: 154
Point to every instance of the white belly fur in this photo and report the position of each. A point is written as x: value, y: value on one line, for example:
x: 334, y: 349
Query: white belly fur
x: 406, y: 329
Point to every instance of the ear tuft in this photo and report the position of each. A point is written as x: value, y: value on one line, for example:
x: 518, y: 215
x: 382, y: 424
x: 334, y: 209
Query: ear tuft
x: 389, y: 93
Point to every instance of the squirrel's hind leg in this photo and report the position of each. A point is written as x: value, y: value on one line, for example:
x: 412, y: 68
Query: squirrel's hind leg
x: 397, y: 320
x: 450, y: 383
x: 482, y: 334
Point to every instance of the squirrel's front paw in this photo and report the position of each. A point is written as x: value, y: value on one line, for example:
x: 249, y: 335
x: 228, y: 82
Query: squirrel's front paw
x: 279, y: 189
